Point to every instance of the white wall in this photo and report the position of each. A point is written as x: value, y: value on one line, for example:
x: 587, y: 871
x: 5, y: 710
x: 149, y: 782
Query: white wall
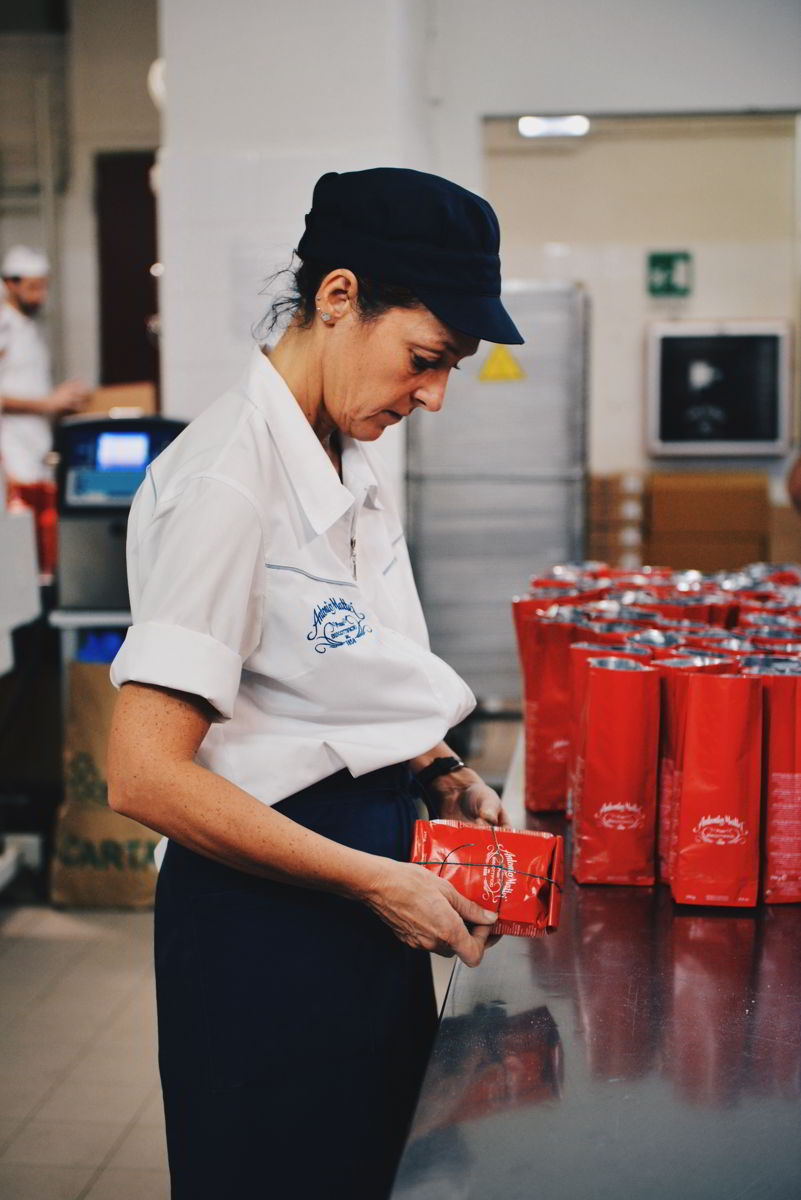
x: 111, y: 44
x: 589, y: 211
x: 612, y: 57
x: 604, y: 56
x: 262, y: 99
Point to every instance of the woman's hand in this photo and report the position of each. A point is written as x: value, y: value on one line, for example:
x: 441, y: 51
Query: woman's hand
x: 464, y: 796
x: 427, y: 912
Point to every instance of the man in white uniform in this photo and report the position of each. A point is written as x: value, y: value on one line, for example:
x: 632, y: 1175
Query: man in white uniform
x: 28, y: 400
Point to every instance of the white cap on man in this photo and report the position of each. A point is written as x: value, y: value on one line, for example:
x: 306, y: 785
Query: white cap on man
x: 21, y: 262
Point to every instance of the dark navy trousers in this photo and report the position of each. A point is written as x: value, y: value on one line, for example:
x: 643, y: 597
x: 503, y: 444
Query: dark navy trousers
x: 294, y: 1027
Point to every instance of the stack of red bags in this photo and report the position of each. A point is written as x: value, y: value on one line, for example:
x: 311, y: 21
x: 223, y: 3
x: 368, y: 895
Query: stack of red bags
x: 677, y: 746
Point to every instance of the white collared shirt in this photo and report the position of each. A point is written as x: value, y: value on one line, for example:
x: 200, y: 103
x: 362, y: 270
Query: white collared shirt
x: 282, y: 596
x: 25, y: 438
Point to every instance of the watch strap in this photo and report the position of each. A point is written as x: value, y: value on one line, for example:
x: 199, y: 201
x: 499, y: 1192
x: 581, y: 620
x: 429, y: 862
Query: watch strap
x: 439, y: 766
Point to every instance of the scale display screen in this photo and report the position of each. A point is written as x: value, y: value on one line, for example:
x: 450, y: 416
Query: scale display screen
x: 107, y: 467
x: 122, y: 451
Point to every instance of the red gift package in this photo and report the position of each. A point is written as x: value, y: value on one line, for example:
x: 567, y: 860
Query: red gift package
x: 615, y: 792
x: 518, y: 873
x: 717, y: 844
x: 781, y: 866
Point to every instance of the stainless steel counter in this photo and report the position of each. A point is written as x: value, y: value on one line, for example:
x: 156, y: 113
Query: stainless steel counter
x: 643, y: 1051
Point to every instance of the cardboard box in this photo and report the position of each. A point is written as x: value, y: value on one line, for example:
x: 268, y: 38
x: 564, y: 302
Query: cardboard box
x: 101, y: 859
x: 623, y: 485
x: 139, y: 396
x: 785, y: 534
x: 603, y: 546
x: 709, y: 502
x: 620, y: 509
x: 705, y: 552
x: 615, y: 537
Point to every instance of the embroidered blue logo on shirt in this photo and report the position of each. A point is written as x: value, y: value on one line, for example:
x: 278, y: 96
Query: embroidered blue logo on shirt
x: 336, y: 623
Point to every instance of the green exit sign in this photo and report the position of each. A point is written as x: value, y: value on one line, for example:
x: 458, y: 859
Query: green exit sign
x: 670, y: 273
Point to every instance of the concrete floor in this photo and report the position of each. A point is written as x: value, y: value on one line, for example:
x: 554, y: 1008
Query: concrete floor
x: 80, y: 1102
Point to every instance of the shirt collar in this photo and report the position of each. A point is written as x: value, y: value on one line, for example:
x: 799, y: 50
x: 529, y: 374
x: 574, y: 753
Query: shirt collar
x: 321, y: 495
x: 357, y: 472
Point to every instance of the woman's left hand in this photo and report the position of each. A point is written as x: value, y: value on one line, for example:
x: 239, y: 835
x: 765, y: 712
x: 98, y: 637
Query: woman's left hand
x: 464, y: 796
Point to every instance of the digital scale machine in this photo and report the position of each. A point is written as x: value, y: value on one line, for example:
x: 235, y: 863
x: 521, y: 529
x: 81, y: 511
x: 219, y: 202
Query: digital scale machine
x: 101, y: 464
x: 102, y: 461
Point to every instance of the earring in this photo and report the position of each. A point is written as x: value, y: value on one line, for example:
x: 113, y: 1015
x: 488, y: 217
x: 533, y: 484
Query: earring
x: 325, y: 316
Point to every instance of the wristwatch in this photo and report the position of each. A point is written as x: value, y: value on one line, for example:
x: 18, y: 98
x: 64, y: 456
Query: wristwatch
x: 439, y: 766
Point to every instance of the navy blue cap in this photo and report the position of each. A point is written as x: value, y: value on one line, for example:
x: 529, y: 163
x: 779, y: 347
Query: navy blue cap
x: 420, y: 231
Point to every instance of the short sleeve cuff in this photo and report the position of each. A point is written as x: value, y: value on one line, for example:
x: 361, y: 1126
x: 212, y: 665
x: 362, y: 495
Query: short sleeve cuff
x: 175, y: 657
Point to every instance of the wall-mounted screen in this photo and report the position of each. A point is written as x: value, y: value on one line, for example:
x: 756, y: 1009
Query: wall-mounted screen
x: 718, y: 389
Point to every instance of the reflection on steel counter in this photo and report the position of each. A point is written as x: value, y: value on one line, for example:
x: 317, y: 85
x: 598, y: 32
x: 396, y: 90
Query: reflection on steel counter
x: 597, y: 1063
x: 711, y: 1001
x: 617, y: 997
x: 774, y: 1045
x: 487, y: 1063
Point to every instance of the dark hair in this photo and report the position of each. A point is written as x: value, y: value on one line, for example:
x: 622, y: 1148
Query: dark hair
x: 375, y: 297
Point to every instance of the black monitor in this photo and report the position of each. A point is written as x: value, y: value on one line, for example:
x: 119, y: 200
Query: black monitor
x: 719, y: 389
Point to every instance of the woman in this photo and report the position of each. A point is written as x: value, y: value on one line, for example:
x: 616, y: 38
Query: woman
x: 278, y: 698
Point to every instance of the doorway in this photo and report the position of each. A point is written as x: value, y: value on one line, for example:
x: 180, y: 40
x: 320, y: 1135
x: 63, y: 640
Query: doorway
x: 126, y: 234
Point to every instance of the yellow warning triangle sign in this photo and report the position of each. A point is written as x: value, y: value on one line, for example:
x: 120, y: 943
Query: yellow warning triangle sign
x: 500, y: 364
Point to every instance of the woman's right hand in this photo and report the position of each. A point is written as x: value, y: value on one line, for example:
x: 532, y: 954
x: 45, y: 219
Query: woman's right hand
x: 427, y: 912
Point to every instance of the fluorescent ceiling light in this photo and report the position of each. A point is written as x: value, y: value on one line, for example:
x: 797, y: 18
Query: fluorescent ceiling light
x: 572, y: 126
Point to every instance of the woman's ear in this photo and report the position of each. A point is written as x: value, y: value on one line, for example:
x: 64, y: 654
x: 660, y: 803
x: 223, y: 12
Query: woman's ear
x: 338, y: 291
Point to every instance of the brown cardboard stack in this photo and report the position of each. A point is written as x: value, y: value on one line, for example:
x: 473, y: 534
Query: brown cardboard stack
x: 785, y: 534
x: 101, y: 859
x: 617, y: 518
x: 712, y: 521
x: 139, y: 398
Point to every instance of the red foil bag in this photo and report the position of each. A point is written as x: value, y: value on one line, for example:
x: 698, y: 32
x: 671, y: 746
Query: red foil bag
x: 608, y: 633
x: 615, y: 796
x: 717, y: 845
x: 677, y: 651
x: 680, y: 609
x: 674, y: 675
x: 580, y: 655
x: 543, y: 644
x: 518, y: 873
x: 763, y: 602
x: 781, y: 868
